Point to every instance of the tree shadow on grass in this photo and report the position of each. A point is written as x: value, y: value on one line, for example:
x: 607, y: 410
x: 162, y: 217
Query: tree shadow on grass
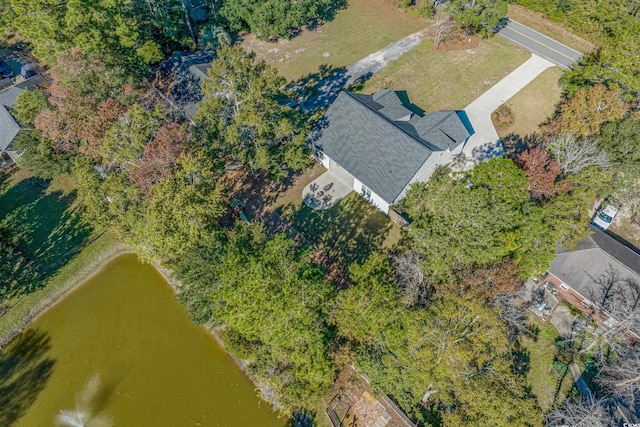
x: 348, y: 232
x: 47, y: 231
x: 24, y: 193
x: 521, y: 361
x: 44, y: 229
x: 24, y: 371
x: 516, y: 144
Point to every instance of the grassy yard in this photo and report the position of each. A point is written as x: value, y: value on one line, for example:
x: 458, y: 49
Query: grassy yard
x: 534, y: 103
x: 348, y: 232
x: 449, y: 80
x: 42, y: 220
x: 545, y: 383
x: 364, y: 27
x: 546, y: 26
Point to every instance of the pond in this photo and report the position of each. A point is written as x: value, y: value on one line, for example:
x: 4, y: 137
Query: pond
x: 121, y: 351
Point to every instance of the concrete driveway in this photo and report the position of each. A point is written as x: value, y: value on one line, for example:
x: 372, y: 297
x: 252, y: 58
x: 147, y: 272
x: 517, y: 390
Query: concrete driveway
x: 485, y: 142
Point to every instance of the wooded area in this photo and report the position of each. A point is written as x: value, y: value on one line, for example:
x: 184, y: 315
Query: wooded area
x: 425, y: 323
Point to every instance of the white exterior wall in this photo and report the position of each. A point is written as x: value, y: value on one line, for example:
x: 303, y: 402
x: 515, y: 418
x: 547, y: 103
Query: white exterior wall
x: 325, y: 160
x: 375, y: 200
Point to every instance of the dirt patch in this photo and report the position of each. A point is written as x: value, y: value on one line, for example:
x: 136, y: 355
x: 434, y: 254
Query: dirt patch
x: 457, y: 42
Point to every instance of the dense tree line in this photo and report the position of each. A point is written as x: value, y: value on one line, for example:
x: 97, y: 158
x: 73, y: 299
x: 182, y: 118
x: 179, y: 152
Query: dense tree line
x: 499, y: 213
x: 422, y: 324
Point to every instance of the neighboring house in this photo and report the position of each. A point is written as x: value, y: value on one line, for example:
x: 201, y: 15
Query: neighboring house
x: 601, y: 273
x: 378, y: 146
x: 179, y: 78
x: 9, y: 126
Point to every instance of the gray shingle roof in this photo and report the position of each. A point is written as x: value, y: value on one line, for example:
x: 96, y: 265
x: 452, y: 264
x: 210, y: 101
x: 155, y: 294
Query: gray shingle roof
x: 179, y: 78
x: 9, y: 96
x: 601, y: 269
x: 375, y: 138
x: 9, y: 128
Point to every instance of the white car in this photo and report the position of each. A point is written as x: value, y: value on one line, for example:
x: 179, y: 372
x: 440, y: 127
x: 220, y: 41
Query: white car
x: 604, y: 217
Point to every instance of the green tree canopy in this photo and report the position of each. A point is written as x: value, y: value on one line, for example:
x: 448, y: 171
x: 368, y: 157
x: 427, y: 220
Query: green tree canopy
x: 478, y: 16
x: 242, y: 116
x: 275, y: 18
x: 454, y: 357
x: 366, y: 310
x: 29, y: 104
x: 273, y: 304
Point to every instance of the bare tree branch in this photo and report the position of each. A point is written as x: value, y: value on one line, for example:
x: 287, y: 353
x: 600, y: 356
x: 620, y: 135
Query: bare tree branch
x: 621, y: 375
x: 415, y: 287
x: 512, y: 310
x: 590, y: 412
x: 575, y: 154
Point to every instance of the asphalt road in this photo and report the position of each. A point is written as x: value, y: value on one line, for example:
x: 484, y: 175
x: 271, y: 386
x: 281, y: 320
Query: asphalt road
x: 561, y: 55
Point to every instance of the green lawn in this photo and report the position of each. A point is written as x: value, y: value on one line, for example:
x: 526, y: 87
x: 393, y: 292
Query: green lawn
x: 545, y: 384
x: 534, y: 103
x: 364, y: 27
x: 42, y: 220
x: 348, y: 232
x: 450, y: 80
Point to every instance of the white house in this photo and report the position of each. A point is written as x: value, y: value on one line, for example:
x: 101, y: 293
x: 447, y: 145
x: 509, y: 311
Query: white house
x: 378, y: 146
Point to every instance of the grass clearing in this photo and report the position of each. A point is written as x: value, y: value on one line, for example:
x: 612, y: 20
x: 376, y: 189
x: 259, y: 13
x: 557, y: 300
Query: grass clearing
x: 546, y: 26
x: 348, y: 232
x: 450, y: 80
x: 42, y: 220
x: 364, y: 27
x: 545, y: 384
x: 534, y: 103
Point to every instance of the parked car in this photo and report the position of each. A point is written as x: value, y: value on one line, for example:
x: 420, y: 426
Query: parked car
x: 5, y: 71
x: 28, y: 70
x: 604, y: 217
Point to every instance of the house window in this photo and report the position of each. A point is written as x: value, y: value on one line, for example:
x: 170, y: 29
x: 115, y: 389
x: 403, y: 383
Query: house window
x: 366, y: 192
x: 587, y: 303
x: 564, y: 287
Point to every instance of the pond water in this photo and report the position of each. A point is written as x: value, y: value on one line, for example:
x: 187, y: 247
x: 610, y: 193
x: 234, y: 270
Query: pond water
x: 121, y: 351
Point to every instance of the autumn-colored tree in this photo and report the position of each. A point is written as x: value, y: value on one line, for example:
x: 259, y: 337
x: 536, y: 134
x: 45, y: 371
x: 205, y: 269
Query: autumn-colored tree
x: 96, y: 128
x: 485, y: 281
x: 159, y: 156
x: 589, y: 108
x: 79, y: 84
x: 543, y: 174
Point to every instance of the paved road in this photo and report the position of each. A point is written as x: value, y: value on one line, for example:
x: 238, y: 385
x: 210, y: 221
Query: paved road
x: 329, y: 88
x: 485, y: 142
x: 539, y: 44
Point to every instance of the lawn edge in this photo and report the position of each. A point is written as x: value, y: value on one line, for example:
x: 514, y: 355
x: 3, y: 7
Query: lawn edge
x: 82, y: 267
